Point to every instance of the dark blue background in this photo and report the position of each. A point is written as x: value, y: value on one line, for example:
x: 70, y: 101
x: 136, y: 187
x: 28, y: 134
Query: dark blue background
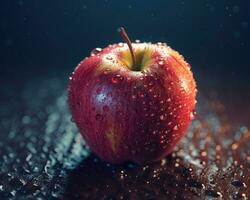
x: 43, y: 38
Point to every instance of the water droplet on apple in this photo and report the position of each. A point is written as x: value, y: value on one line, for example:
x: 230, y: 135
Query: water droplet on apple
x: 192, y: 115
x: 141, y: 95
x: 128, y: 78
x: 109, y: 57
x: 105, y: 108
x: 99, y: 117
x: 133, y: 97
x: 168, y: 100
x: 106, y: 71
x: 175, y: 128
x: 117, y: 79
x: 120, y: 44
x: 161, y: 62
x: 95, y: 51
x: 237, y: 183
x: 154, y: 132
x: 162, y: 117
x: 151, y: 83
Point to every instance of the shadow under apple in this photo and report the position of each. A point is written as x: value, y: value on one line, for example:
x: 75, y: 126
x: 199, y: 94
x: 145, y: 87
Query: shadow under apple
x: 96, y: 179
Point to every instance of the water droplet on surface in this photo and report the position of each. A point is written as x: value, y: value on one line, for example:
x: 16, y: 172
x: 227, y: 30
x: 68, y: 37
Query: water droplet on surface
x: 203, y: 153
x: 212, y: 193
x: 237, y: 183
x: 26, y: 119
x: 234, y: 146
x: 137, y: 41
x: 99, y: 117
x: 196, y: 184
x: 117, y: 79
x: 13, y: 193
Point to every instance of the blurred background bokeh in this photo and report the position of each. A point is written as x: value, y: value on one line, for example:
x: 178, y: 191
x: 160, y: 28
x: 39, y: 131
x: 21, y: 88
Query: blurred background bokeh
x: 48, y: 38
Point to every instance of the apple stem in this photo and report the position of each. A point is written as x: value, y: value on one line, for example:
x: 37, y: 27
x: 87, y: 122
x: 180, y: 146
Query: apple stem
x: 125, y: 37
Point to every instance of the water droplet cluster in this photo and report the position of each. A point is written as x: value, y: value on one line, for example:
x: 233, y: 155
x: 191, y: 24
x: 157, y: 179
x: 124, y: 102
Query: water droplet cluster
x: 43, y: 156
x: 40, y: 143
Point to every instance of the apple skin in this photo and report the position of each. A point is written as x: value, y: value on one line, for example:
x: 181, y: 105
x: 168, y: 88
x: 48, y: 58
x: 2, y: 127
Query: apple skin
x: 127, y: 115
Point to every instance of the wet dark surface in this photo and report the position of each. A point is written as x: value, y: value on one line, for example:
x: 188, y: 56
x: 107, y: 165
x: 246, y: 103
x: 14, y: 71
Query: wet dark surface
x: 42, y: 155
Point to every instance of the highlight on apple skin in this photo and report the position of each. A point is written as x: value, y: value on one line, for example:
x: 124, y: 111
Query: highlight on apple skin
x: 132, y: 102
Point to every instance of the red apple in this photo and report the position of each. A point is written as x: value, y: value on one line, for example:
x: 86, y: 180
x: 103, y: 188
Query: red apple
x: 132, y: 102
